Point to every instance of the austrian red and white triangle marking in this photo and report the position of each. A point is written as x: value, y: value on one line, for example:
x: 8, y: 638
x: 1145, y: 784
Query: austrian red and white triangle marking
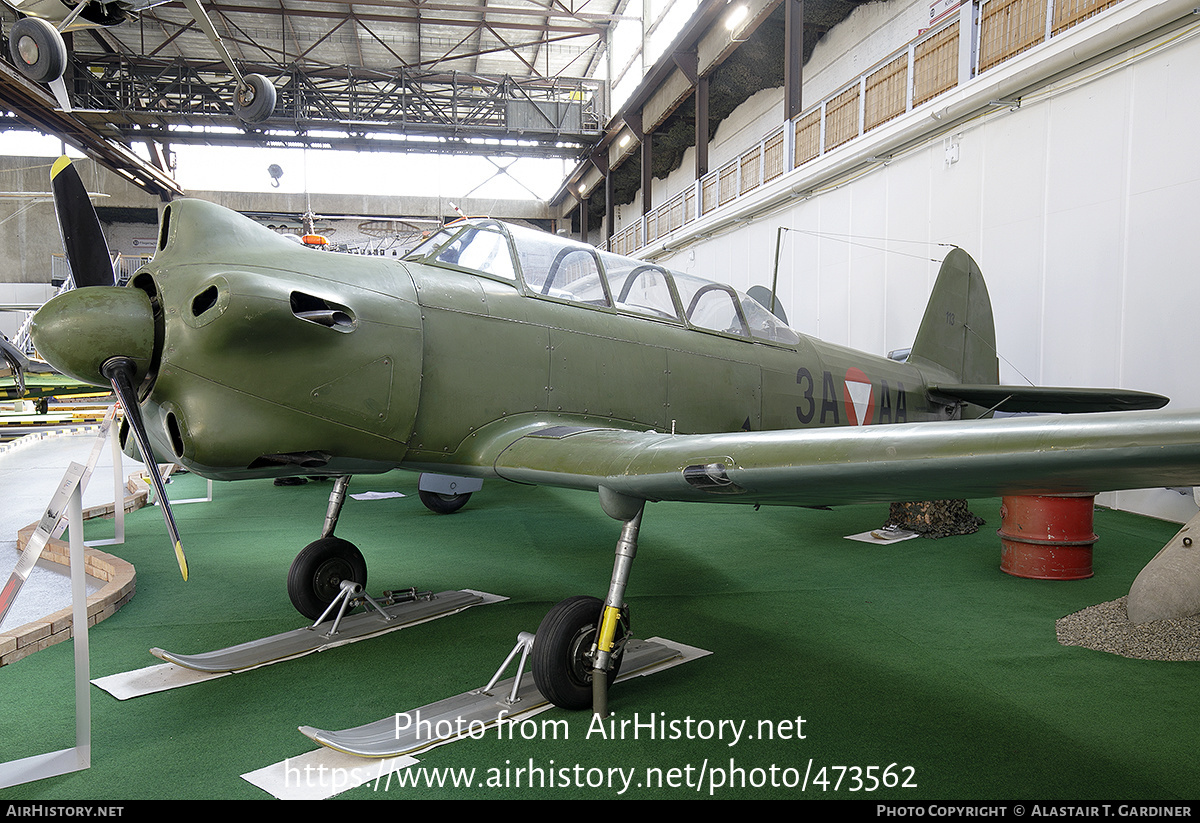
x: 859, y: 396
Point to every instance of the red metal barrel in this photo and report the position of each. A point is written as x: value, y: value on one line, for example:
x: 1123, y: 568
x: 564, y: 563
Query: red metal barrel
x: 1047, y: 537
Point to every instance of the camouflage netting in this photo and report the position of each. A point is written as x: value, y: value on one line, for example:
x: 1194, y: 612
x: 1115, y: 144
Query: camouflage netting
x: 935, y: 518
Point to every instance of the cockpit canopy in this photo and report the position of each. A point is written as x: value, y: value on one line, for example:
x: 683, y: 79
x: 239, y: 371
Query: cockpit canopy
x: 560, y: 269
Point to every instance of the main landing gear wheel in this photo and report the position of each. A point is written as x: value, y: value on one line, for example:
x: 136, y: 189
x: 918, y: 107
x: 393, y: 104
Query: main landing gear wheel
x: 316, y: 575
x: 443, y: 503
x: 37, y: 50
x: 562, y: 651
x: 254, y: 99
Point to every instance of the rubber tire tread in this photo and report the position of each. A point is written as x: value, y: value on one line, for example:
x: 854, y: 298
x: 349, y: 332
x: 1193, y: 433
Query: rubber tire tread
x: 439, y: 504
x: 52, y: 50
x: 551, y: 648
x: 262, y: 105
x: 306, y: 565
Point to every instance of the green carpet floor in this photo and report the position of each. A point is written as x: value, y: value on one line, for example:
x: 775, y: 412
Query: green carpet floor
x: 920, y: 656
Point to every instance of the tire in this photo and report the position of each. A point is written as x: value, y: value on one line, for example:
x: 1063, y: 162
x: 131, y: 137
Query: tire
x: 316, y: 575
x: 443, y: 503
x: 561, y: 658
x: 254, y: 99
x: 37, y: 50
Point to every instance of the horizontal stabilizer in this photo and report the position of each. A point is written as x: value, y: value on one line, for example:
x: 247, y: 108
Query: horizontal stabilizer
x: 1049, y: 399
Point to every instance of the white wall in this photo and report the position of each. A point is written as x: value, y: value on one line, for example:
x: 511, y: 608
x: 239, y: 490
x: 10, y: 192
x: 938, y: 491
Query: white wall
x: 1082, y: 206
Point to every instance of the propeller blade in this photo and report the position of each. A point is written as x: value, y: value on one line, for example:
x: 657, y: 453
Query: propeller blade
x: 83, y: 241
x: 120, y: 371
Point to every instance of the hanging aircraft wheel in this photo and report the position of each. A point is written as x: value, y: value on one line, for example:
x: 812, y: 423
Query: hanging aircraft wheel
x: 562, y: 652
x: 254, y: 100
x: 443, y: 503
x: 37, y: 50
x: 316, y: 575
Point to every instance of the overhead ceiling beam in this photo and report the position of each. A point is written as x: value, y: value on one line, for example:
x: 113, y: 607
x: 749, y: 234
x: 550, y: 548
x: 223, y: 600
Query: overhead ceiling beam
x: 495, y: 18
x: 34, y: 106
x: 536, y: 9
x: 495, y: 146
x: 793, y: 58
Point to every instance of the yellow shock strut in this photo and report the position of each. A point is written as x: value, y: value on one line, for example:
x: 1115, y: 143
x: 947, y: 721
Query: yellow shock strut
x: 608, y: 628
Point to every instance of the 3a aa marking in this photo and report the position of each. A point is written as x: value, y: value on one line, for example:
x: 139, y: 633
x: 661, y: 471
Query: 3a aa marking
x: 884, y: 406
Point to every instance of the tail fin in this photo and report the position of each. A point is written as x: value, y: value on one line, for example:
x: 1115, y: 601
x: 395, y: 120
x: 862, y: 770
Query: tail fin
x: 957, y: 334
x: 958, y: 339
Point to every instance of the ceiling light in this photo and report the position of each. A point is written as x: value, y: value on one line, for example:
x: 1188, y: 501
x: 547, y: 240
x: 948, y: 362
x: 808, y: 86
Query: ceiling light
x: 736, y: 16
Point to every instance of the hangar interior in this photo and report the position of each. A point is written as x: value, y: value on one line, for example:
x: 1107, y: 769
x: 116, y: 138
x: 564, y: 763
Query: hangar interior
x: 1057, y: 157
x: 841, y: 146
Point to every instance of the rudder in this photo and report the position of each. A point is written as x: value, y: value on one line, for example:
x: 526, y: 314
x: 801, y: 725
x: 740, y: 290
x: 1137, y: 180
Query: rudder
x: 957, y: 333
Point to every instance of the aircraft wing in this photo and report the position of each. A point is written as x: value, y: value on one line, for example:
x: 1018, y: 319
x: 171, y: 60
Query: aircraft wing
x: 38, y: 385
x: 852, y: 464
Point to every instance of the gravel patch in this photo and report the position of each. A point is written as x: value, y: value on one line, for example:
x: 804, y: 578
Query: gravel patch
x: 1106, y: 628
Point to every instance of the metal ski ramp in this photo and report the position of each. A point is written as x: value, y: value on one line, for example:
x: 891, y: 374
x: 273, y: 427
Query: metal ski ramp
x: 324, y: 634
x: 474, y: 713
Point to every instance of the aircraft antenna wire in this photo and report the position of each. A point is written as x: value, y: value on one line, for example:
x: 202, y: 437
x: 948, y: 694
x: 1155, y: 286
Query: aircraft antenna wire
x: 996, y: 352
x: 855, y: 240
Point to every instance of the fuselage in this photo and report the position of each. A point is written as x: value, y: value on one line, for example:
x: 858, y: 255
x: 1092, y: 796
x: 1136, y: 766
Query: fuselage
x: 495, y: 349
x: 272, y: 359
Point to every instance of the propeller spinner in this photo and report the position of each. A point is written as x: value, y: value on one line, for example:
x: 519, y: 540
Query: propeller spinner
x: 100, y: 333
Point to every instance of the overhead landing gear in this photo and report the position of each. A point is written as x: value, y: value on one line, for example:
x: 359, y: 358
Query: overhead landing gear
x: 254, y: 98
x: 37, y: 50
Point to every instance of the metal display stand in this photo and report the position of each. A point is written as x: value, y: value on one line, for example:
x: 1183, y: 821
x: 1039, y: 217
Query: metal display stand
x: 207, y: 499
x: 79, y: 757
x: 51, y: 526
x: 165, y: 475
x: 118, y: 489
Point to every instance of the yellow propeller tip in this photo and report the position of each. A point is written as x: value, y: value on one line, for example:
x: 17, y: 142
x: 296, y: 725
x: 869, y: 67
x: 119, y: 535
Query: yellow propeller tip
x: 183, y: 567
x: 59, y: 164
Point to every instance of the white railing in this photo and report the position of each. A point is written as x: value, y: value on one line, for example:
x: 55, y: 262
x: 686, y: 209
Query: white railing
x: 959, y: 45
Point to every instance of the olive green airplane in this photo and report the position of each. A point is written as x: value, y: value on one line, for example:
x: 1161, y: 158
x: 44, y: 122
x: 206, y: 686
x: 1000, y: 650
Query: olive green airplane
x: 494, y: 351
